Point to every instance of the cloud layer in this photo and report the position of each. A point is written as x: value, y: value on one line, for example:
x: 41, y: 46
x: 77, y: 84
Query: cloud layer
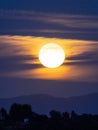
x: 48, y: 24
x: 21, y: 59
x: 26, y: 25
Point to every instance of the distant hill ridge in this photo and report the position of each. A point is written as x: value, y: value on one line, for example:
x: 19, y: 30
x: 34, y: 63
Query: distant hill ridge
x: 43, y: 103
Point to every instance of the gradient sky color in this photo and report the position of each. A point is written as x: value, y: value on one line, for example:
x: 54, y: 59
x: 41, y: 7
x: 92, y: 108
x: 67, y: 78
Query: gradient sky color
x: 25, y: 26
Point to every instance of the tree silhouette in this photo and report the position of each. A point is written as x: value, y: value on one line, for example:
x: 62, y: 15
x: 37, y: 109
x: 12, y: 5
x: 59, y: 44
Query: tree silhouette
x: 18, y: 112
x: 65, y: 116
x: 3, y: 113
x: 56, y: 115
x: 56, y: 121
x: 73, y: 115
x: 26, y: 111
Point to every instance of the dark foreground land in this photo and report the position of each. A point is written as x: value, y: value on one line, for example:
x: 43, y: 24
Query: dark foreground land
x: 21, y: 117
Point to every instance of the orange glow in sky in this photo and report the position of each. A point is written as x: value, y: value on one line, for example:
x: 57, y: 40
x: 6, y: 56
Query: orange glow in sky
x: 72, y: 68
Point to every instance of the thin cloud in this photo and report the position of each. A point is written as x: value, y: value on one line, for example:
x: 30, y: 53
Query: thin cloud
x: 91, y: 55
x: 21, y: 58
x: 69, y: 20
x: 32, y: 23
x: 16, y: 63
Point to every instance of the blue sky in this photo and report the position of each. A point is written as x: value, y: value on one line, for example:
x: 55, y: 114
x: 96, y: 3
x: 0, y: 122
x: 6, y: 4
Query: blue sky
x: 26, y: 25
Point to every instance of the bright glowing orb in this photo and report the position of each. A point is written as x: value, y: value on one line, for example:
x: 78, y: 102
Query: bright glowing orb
x: 51, y: 55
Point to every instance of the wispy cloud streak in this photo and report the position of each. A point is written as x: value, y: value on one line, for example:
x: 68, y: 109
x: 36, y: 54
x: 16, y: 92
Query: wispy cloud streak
x: 48, y: 24
x: 77, y: 21
x: 21, y: 58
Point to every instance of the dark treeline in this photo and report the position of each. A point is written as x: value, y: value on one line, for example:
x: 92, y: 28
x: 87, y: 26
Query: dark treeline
x: 21, y: 117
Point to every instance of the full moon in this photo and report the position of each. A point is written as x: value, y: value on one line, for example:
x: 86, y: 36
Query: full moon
x: 51, y: 55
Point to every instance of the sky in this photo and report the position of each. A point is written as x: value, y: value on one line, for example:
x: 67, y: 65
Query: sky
x: 25, y: 26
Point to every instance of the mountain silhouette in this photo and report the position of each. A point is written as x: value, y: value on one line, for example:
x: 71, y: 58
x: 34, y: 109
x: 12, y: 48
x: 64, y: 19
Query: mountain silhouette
x: 43, y: 104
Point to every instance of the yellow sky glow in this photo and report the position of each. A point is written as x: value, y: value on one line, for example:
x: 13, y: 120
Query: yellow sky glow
x: 30, y: 46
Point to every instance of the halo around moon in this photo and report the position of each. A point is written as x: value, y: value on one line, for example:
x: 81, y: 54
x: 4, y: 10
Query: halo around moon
x: 51, y: 55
